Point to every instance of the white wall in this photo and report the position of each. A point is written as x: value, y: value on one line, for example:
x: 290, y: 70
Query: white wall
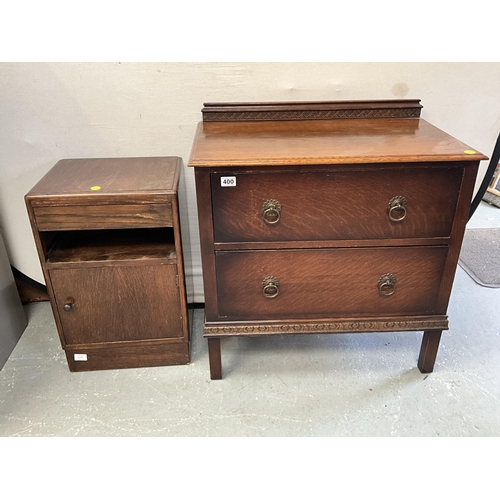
x: 50, y: 111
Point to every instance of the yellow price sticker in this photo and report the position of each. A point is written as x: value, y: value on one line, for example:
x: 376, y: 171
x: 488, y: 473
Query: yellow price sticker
x: 95, y: 188
x: 469, y: 152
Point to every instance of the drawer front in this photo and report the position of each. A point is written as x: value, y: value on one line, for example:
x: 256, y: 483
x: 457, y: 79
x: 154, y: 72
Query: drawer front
x: 328, y: 283
x: 122, y: 303
x: 65, y: 218
x: 336, y: 205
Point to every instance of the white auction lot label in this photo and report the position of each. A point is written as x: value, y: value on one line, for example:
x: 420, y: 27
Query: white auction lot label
x: 228, y: 181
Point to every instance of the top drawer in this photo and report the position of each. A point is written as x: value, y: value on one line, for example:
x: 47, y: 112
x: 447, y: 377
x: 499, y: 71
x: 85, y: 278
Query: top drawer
x: 408, y: 202
x: 66, y: 218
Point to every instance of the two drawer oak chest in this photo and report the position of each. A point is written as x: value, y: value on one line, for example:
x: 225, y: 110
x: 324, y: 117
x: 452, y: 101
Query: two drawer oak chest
x: 328, y: 217
x: 108, y: 238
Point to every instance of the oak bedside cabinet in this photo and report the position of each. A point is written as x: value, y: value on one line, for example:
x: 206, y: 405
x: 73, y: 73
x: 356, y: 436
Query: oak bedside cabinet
x: 328, y: 217
x: 108, y: 238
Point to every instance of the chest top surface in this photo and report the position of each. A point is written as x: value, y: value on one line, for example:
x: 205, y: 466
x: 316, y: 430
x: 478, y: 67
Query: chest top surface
x: 285, y: 141
x: 101, y: 177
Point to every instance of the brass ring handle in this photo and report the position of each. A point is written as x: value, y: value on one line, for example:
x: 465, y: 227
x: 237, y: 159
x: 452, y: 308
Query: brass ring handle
x: 397, y: 205
x: 271, y: 211
x: 270, y: 287
x: 387, y: 285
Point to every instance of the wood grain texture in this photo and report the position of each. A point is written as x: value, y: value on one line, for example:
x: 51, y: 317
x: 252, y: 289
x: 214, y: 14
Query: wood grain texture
x: 114, y: 176
x: 336, y: 205
x: 112, y: 246
x: 214, y: 356
x: 323, y: 142
x: 328, y: 283
x: 428, y: 351
x: 181, y: 278
x: 457, y: 234
x: 112, y: 304
x: 297, y: 244
x: 42, y: 244
x: 66, y: 218
x: 127, y: 355
x: 205, y: 217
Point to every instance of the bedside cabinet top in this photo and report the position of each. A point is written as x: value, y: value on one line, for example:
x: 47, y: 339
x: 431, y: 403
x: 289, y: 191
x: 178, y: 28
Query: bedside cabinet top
x: 104, y: 177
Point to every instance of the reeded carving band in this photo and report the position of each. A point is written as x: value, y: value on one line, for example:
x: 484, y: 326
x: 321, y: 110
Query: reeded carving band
x: 347, y: 326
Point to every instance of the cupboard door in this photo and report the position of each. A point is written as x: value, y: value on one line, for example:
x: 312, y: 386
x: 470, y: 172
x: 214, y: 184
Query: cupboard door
x: 117, y: 303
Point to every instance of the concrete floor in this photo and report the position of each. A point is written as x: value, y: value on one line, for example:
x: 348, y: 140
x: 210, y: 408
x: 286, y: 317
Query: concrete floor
x: 344, y: 385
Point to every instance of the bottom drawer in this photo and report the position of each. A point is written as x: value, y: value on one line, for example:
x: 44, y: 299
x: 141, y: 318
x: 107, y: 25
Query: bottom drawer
x: 328, y: 283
